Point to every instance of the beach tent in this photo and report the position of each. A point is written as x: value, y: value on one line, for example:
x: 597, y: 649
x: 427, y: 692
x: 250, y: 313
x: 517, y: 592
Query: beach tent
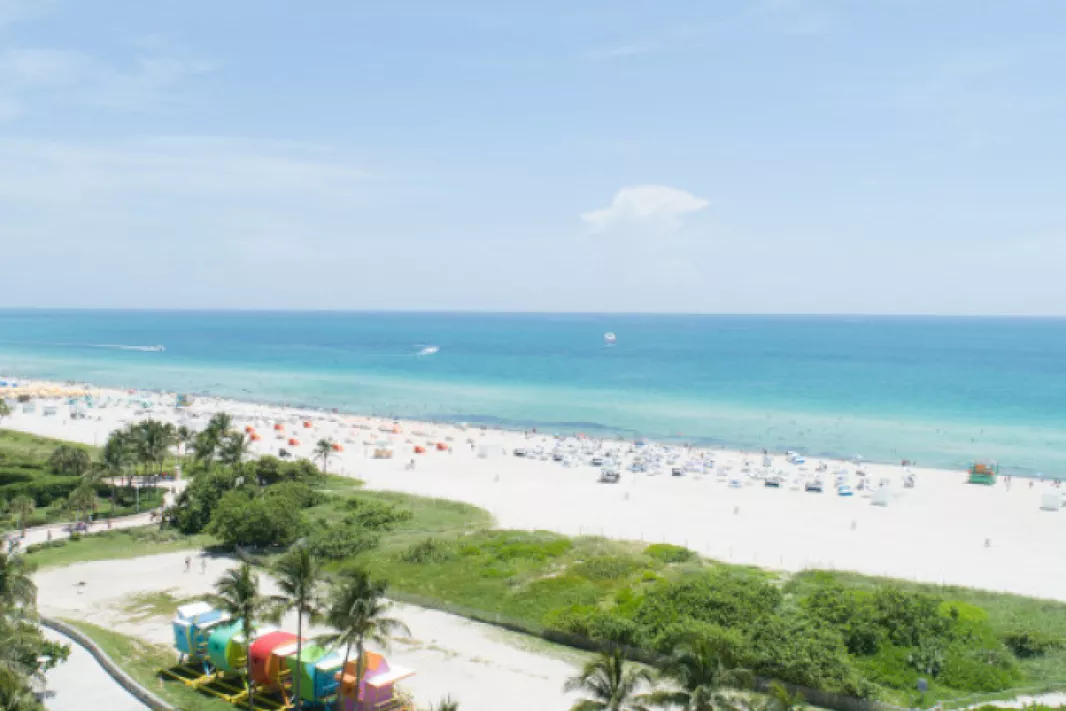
x: 881, y: 497
x: 1051, y: 501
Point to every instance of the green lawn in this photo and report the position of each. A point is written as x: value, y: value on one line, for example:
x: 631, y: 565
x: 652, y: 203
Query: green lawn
x: 20, y: 445
x: 142, y: 661
x: 112, y: 545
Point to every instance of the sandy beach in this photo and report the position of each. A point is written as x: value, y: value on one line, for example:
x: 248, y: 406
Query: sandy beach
x: 942, y: 530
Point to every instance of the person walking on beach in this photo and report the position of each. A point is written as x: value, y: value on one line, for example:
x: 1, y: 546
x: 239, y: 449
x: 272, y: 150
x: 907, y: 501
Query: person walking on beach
x: 203, y: 564
x: 188, y: 563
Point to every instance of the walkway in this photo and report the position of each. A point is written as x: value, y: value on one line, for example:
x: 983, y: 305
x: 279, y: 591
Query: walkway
x: 80, y: 683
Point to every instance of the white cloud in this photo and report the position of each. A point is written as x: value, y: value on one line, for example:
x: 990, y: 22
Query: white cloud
x: 658, y: 209
x: 70, y: 77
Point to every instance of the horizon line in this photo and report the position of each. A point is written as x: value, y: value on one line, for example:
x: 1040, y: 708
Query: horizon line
x: 457, y: 312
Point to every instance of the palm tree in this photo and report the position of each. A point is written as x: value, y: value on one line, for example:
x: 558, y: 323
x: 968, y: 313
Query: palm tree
x: 185, y: 437
x: 237, y: 593
x: 298, y: 576
x: 16, y: 584
x: 324, y: 451
x: 157, y: 438
x: 221, y: 424
x: 82, y: 499
x: 24, y: 507
x: 120, y: 453
x: 5, y: 409
x: 358, y: 614
x: 234, y: 447
x: 69, y: 460
x: 114, y: 460
x: 205, y: 447
x: 610, y: 682
x: 703, y: 677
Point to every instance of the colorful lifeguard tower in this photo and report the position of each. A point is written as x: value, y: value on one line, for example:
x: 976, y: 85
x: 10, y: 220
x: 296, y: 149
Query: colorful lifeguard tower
x: 984, y: 473
x: 213, y: 657
x: 377, y: 692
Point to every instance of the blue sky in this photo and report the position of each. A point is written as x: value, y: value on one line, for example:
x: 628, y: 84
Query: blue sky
x: 813, y: 156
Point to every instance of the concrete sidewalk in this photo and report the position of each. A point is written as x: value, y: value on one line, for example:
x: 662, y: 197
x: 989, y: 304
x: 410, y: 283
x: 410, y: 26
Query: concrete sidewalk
x: 80, y: 683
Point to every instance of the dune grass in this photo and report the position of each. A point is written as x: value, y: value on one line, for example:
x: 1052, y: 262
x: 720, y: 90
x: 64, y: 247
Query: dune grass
x: 142, y: 661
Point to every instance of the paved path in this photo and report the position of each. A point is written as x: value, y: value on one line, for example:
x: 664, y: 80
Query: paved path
x: 39, y: 534
x: 80, y: 683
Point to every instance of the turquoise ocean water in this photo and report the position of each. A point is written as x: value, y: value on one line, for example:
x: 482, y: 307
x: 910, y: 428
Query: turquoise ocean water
x: 941, y: 391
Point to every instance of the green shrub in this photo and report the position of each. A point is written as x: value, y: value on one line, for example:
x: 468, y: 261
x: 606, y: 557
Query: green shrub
x: 58, y: 543
x: 981, y: 670
x: 243, y: 520
x: 536, y: 546
x: 607, y: 567
x: 851, y: 613
x: 795, y: 648
x: 196, y: 504
x: 909, y: 619
x: 721, y: 596
x: 667, y: 553
x: 429, y: 550
x: 297, y: 493
x: 332, y: 543
x: 1026, y: 644
x: 590, y: 622
x: 373, y: 515
x: 890, y: 667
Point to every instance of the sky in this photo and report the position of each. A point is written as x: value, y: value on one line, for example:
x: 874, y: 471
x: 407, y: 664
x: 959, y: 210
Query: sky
x: 737, y: 156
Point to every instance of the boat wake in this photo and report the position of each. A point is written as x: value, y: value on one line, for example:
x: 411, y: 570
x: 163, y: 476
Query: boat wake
x: 428, y: 350
x: 123, y: 347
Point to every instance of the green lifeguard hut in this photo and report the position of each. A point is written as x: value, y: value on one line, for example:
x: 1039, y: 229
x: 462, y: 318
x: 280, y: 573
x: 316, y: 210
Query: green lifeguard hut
x: 984, y: 473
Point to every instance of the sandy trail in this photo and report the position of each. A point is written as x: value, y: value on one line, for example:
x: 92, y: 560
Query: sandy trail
x: 482, y: 666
